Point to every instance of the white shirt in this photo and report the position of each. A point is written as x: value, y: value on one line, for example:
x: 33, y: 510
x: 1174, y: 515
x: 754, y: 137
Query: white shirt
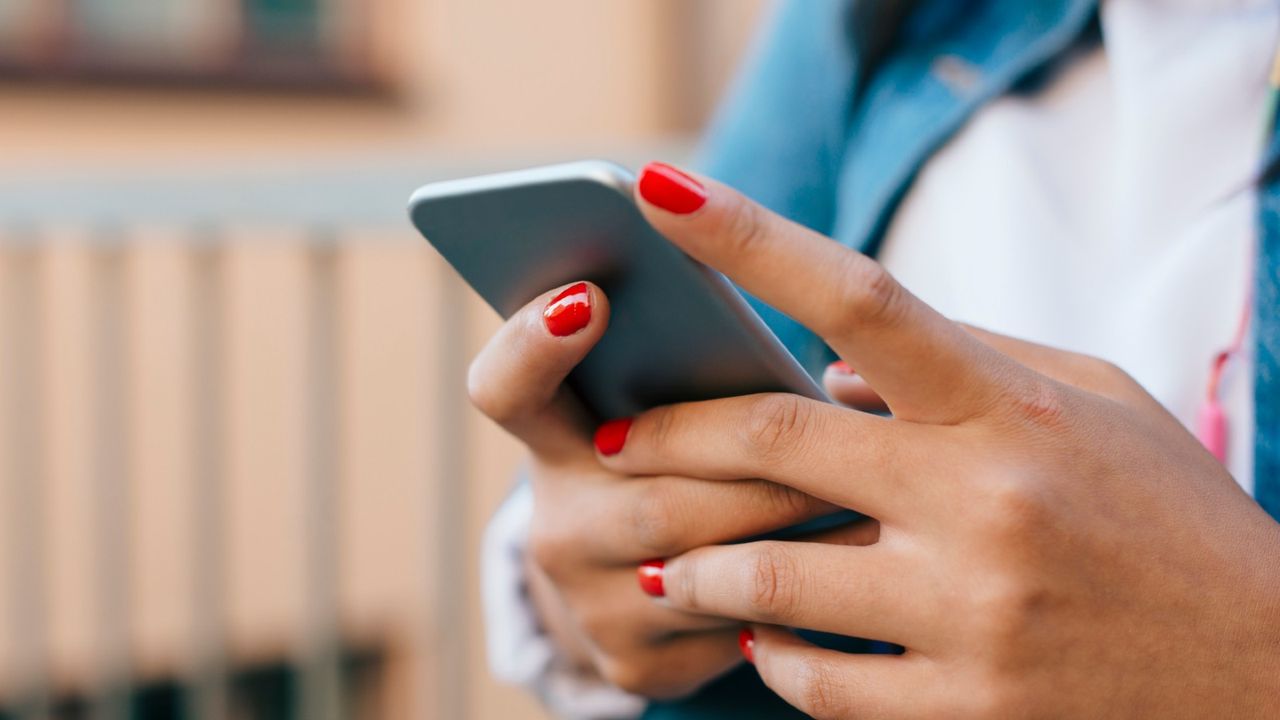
x: 1109, y: 213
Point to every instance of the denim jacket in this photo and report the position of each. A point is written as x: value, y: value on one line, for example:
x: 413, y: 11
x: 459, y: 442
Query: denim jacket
x: 830, y: 124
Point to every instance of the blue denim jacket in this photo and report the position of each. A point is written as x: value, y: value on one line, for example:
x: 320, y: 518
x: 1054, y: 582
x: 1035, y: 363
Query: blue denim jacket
x: 812, y: 134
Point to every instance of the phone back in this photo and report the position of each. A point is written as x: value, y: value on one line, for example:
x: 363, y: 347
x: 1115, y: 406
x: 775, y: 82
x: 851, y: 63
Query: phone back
x: 678, y: 331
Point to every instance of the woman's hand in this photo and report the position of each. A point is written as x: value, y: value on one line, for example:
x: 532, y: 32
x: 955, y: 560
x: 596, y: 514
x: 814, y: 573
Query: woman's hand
x: 592, y: 526
x: 1052, y: 544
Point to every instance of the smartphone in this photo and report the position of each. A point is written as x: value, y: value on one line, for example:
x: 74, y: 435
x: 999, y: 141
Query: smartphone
x: 678, y: 330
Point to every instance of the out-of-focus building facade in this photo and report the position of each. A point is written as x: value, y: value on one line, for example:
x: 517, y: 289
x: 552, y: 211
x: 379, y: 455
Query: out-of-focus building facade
x: 238, y: 476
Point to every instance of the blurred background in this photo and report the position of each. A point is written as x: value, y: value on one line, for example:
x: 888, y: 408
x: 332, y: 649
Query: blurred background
x: 238, y: 474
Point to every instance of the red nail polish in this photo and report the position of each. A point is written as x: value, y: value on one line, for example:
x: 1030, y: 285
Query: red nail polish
x: 611, y: 436
x: 842, y: 367
x: 670, y: 189
x: 649, y: 573
x: 570, y: 311
x: 747, y: 644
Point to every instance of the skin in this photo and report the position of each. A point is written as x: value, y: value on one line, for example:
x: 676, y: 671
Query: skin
x: 592, y: 526
x: 1050, y: 541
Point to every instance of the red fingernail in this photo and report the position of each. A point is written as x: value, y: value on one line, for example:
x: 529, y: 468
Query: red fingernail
x: 649, y: 573
x: 842, y: 367
x: 670, y: 189
x: 570, y: 311
x: 747, y: 644
x: 611, y: 436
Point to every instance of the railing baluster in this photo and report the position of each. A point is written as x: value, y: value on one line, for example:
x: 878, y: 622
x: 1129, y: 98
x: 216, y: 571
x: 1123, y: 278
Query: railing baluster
x: 208, y: 693
x: 322, y: 692
x: 20, y: 401
x: 453, y: 650
x: 112, y: 511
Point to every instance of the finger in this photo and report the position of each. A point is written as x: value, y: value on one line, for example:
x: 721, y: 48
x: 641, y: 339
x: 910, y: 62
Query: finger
x: 925, y: 366
x: 851, y: 459
x: 643, y: 647
x: 829, y: 684
x: 657, y: 517
x: 850, y: 389
x: 860, y: 592
x: 672, y: 668
x: 516, y: 379
x: 609, y: 594
x: 604, y: 613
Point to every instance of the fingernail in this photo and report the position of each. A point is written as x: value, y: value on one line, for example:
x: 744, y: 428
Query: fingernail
x: 611, y: 436
x: 670, y: 189
x: 841, y: 367
x: 747, y: 644
x: 568, y: 312
x: 649, y: 573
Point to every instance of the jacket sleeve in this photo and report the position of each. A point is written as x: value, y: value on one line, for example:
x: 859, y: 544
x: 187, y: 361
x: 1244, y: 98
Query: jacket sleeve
x: 780, y: 135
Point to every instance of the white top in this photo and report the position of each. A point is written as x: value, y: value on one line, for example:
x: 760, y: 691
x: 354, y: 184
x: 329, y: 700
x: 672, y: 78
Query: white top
x: 1111, y: 212
x: 1108, y: 213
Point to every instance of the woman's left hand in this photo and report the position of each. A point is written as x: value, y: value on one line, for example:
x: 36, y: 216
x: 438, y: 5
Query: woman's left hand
x: 1052, y: 542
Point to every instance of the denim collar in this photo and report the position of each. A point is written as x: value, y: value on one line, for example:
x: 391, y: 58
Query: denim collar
x: 951, y: 59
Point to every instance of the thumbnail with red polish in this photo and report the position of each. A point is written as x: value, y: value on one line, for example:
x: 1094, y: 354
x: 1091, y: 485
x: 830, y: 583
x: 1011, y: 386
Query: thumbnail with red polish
x: 570, y: 311
x: 649, y: 573
x: 747, y: 644
x: 611, y: 436
x: 670, y: 189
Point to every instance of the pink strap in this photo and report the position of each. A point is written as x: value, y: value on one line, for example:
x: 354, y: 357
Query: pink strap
x: 1211, y: 429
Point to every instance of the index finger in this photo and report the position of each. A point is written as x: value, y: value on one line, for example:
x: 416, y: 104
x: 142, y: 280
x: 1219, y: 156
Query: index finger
x: 925, y: 366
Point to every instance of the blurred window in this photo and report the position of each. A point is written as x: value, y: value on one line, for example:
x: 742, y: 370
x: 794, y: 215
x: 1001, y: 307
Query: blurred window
x: 236, y: 42
x: 287, y: 23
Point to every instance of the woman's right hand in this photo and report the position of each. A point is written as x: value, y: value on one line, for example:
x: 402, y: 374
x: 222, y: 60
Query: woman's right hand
x: 592, y: 528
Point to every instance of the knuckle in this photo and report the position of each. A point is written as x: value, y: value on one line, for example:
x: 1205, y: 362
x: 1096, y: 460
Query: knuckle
x: 776, y: 425
x: 634, y: 678
x: 1043, y: 405
x: 1113, y: 376
x: 1014, y: 507
x: 745, y: 226
x: 819, y: 690
x: 655, y: 520
x: 786, y: 502
x: 684, y: 591
x: 774, y: 583
x: 605, y: 626
x: 871, y: 297
x: 1007, y: 610
x: 552, y: 547
x: 659, y: 427
x: 1012, y: 601
x: 486, y: 397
